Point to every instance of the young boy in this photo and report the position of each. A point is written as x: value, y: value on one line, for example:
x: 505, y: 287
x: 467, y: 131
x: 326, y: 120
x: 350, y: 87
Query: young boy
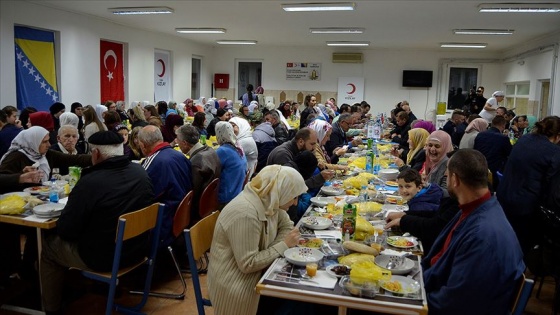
x: 421, y: 200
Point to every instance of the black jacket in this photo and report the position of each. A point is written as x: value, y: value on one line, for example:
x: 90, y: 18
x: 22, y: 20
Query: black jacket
x: 337, y: 139
x: 495, y: 147
x: 104, y: 192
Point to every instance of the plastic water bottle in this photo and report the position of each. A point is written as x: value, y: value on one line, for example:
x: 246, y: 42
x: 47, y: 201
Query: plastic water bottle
x: 511, y: 135
x: 377, y: 130
x: 370, y: 129
x: 369, y: 164
x: 376, y: 166
x: 363, y: 194
x: 53, y: 191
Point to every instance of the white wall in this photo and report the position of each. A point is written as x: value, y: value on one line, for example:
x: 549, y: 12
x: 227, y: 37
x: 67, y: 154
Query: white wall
x: 79, y: 55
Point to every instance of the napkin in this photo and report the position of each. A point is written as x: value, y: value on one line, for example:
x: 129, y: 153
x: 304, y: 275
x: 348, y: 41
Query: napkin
x: 393, y: 252
x: 328, y: 233
x: 34, y: 218
x: 321, y: 280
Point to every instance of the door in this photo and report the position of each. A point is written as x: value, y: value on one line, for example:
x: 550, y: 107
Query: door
x: 249, y: 72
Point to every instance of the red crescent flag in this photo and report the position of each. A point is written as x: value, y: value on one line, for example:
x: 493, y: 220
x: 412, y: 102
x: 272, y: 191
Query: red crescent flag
x: 112, y: 71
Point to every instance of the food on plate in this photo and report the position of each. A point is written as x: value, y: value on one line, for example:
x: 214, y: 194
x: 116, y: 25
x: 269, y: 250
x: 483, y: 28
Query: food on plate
x: 360, y: 248
x: 392, y: 183
x: 39, y: 189
x: 351, y: 259
x: 377, y: 246
x: 369, y: 206
x: 312, y: 243
x: 399, y: 242
x: 394, y: 286
x: 341, y: 270
x: 352, y: 191
x: 12, y: 205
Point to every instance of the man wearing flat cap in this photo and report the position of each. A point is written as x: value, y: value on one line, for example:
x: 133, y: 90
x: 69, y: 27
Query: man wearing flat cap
x: 87, y: 226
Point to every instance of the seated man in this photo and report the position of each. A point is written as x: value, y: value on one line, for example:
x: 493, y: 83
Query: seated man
x: 339, y: 135
x: 171, y: 175
x: 205, y: 163
x: 455, y: 127
x: 87, y: 226
x: 66, y: 143
x: 476, y: 263
x: 280, y: 130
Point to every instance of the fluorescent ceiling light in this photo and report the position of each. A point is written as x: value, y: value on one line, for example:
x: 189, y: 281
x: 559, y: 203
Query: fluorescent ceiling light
x: 335, y: 6
x: 482, y: 32
x: 200, y: 30
x: 464, y: 45
x: 347, y: 43
x: 519, y: 7
x: 236, y: 42
x: 141, y: 10
x: 337, y: 30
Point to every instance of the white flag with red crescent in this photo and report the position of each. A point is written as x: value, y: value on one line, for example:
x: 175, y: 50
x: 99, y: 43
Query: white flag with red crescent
x: 162, y: 76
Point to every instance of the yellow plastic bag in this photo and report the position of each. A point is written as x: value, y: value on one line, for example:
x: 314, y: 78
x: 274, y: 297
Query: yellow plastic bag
x: 359, y: 162
x: 368, y: 207
x: 364, y: 229
x: 355, y: 182
x: 351, y: 259
x: 367, y: 271
x: 12, y: 205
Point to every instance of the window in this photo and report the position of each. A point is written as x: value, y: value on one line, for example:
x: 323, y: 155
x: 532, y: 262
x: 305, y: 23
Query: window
x: 462, y: 82
x: 517, y: 97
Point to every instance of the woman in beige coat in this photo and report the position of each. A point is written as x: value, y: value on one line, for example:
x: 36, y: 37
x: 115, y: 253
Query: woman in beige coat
x: 251, y: 232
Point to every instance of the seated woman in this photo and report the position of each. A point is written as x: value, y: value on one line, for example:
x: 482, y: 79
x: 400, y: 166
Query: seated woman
x: 324, y: 130
x: 421, y: 199
x: 234, y: 163
x: 416, y: 155
x: 251, y: 232
x: 137, y: 118
x: 172, y: 123
x: 92, y: 124
x: 437, y: 147
x: 152, y: 116
x: 199, y: 122
x: 112, y: 119
x: 221, y: 115
x: 190, y: 109
x: 476, y: 126
x: 243, y: 132
x: 135, y: 151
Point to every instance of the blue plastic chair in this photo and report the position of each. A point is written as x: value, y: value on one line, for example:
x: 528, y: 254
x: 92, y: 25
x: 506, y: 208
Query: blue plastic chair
x: 198, y: 240
x: 131, y: 225
x: 522, y: 296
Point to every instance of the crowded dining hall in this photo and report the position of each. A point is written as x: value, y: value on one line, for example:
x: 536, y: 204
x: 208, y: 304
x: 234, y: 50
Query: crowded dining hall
x: 342, y: 163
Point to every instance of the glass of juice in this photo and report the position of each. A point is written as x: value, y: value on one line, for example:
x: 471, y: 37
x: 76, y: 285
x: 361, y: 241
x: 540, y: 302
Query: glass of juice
x: 311, y: 269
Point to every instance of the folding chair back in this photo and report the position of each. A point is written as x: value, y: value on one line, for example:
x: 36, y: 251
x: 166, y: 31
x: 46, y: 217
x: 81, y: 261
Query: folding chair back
x: 522, y: 296
x: 209, y: 199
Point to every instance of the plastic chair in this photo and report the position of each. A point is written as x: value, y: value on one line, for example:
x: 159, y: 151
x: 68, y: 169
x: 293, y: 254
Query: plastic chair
x: 522, y: 296
x: 209, y: 199
x: 181, y: 221
x: 199, y: 239
x: 131, y: 225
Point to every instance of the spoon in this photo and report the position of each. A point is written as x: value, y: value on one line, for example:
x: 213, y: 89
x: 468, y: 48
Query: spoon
x: 390, y: 265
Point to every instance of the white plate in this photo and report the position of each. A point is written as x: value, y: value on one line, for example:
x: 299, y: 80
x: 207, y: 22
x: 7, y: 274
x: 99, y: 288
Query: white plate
x: 408, y: 285
x: 316, y: 223
x: 38, y: 190
x: 17, y: 193
x: 322, y: 201
x: 392, y: 239
x: 302, y: 256
x: 48, y: 210
x: 331, y: 191
x: 406, y: 267
x: 332, y: 273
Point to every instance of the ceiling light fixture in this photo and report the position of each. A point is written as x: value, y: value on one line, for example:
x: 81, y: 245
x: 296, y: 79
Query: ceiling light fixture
x: 236, y: 42
x: 348, y: 43
x: 337, y: 30
x: 141, y: 10
x: 464, y: 45
x: 305, y: 7
x: 519, y: 7
x: 200, y: 30
x: 482, y: 32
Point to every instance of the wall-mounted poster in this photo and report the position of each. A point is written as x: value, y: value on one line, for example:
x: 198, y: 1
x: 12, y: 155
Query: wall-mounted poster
x: 303, y: 71
x: 350, y: 90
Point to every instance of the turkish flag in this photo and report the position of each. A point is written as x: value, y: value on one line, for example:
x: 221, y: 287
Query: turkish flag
x: 112, y: 71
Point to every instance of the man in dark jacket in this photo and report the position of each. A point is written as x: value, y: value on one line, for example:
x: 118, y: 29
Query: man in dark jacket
x: 87, y: 226
x: 280, y: 130
x: 495, y: 146
x: 338, y: 136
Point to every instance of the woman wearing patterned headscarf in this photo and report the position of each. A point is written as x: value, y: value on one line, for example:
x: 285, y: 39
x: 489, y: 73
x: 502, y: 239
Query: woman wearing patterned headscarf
x: 251, y: 232
x: 244, y: 135
x: 437, y: 147
x: 416, y: 155
x: 233, y: 160
x: 324, y: 130
x: 472, y: 130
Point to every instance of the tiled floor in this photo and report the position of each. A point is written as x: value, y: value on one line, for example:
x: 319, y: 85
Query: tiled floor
x: 92, y: 303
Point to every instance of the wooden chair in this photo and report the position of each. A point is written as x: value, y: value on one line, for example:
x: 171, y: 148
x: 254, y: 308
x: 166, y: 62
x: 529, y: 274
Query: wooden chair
x: 522, y: 296
x: 209, y: 199
x: 199, y: 239
x: 181, y: 221
x: 131, y: 225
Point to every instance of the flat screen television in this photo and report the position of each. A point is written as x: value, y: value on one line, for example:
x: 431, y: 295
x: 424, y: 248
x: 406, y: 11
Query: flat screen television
x: 417, y: 78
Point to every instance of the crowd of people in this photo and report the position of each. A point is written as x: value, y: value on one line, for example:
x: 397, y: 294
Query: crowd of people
x: 448, y: 178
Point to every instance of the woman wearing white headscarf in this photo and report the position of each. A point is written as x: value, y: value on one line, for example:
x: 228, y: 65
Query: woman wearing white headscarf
x: 100, y: 110
x: 244, y: 135
x: 233, y: 160
x: 324, y: 130
x: 68, y: 118
x: 251, y: 232
x: 31, y: 148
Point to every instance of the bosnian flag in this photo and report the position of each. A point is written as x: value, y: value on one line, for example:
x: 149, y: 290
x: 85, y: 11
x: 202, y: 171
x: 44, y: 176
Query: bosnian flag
x: 112, y: 71
x: 36, y: 82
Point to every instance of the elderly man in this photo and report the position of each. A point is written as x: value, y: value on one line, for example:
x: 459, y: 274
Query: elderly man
x: 406, y: 107
x: 280, y: 130
x: 305, y: 140
x: 170, y: 172
x: 205, y: 163
x: 338, y: 135
x: 479, y: 235
x: 86, y: 228
x: 66, y: 143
